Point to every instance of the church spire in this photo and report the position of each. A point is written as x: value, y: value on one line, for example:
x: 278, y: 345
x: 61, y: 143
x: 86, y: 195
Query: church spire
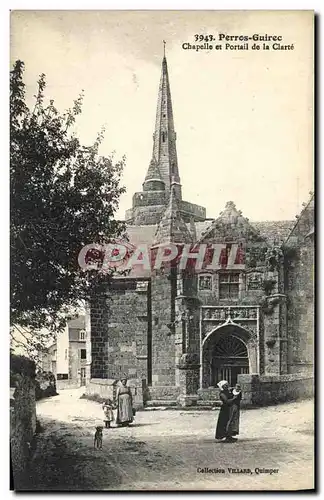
x: 164, y: 137
x: 172, y: 228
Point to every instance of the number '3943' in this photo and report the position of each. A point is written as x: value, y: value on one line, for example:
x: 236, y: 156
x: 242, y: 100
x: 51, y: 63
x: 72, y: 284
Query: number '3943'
x: 204, y: 38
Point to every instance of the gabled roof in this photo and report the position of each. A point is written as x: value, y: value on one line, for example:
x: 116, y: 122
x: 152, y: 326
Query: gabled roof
x: 230, y: 225
x: 304, y: 225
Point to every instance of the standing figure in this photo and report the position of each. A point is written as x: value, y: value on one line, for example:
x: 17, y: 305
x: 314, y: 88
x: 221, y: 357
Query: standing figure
x: 108, y: 412
x: 223, y: 430
x: 124, y: 404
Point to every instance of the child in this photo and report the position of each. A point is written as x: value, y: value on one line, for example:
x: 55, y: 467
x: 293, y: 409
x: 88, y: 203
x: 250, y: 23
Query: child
x: 108, y: 412
x: 237, y: 392
x: 233, y: 424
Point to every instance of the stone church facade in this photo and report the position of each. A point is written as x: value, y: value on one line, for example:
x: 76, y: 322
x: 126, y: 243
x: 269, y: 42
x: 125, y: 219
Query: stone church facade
x: 176, y: 332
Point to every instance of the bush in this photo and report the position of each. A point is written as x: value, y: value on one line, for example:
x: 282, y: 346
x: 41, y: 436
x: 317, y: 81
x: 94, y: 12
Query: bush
x: 21, y: 366
x: 45, y: 385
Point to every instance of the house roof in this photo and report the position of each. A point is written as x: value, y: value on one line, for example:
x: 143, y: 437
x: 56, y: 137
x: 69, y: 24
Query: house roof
x: 78, y: 323
x: 274, y: 230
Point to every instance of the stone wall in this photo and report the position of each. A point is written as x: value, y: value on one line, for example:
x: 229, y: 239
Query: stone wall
x: 99, y: 335
x: 301, y: 330
x: 147, y: 215
x: 260, y: 390
x: 127, y: 332
x: 119, y: 332
x: 163, y: 342
x: 106, y: 388
x: 67, y: 384
x: 22, y: 423
x: 299, y: 283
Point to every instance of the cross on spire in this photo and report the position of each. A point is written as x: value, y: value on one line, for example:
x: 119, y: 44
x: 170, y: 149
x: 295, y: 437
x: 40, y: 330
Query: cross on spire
x: 164, y: 44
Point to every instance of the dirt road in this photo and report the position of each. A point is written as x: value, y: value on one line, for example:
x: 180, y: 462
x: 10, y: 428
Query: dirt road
x: 171, y: 450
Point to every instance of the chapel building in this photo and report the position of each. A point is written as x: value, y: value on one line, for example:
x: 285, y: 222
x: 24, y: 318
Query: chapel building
x: 175, y: 333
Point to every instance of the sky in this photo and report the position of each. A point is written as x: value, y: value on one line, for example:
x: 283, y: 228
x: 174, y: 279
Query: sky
x: 244, y: 119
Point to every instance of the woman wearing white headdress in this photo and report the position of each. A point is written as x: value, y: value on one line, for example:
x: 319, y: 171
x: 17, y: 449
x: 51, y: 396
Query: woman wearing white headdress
x: 223, y: 429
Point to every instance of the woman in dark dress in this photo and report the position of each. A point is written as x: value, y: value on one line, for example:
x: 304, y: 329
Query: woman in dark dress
x: 224, y: 428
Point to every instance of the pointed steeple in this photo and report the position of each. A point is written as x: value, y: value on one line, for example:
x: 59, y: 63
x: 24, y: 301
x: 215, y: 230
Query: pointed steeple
x: 172, y: 228
x: 153, y: 179
x: 164, y: 137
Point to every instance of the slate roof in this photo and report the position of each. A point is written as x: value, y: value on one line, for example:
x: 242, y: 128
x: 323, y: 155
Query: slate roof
x: 271, y: 230
x: 268, y: 229
x: 78, y: 323
x: 274, y: 230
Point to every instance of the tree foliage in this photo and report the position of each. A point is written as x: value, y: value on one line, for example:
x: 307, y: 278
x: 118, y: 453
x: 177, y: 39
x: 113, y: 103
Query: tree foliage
x: 63, y: 196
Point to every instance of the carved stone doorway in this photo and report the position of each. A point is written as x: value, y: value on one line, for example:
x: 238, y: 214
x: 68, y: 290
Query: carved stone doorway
x: 225, y: 356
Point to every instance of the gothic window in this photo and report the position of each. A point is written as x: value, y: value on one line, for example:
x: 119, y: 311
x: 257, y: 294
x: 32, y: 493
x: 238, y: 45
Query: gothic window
x: 81, y: 335
x: 204, y: 283
x: 229, y: 285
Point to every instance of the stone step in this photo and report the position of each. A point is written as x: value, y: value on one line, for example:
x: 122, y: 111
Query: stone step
x: 157, y: 403
x: 161, y: 404
x: 206, y: 402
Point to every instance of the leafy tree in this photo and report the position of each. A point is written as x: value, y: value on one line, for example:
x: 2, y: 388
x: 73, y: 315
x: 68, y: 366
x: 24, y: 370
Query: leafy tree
x: 63, y: 196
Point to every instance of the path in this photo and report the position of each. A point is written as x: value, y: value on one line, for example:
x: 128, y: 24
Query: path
x: 165, y: 450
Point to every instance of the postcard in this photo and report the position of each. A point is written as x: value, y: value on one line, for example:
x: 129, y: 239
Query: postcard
x: 162, y: 250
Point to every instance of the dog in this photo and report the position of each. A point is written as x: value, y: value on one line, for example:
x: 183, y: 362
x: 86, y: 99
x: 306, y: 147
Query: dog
x: 97, y: 442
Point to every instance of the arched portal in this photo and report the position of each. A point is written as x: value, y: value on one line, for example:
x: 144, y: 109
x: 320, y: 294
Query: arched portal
x: 224, y: 356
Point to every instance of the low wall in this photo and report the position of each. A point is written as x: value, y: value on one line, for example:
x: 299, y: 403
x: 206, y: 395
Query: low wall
x: 107, y: 388
x: 22, y: 423
x: 210, y: 394
x: 67, y: 384
x: 162, y: 392
x: 261, y: 390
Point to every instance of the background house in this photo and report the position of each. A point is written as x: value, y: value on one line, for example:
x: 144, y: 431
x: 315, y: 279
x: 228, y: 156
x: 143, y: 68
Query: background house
x: 66, y: 358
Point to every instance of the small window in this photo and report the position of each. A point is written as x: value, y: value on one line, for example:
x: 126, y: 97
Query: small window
x: 205, y: 283
x: 81, y: 335
x: 229, y: 285
x: 83, y: 353
x: 65, y: 354
x: 141, y: 286
x: 163, y: 136
x: 179, y: 285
